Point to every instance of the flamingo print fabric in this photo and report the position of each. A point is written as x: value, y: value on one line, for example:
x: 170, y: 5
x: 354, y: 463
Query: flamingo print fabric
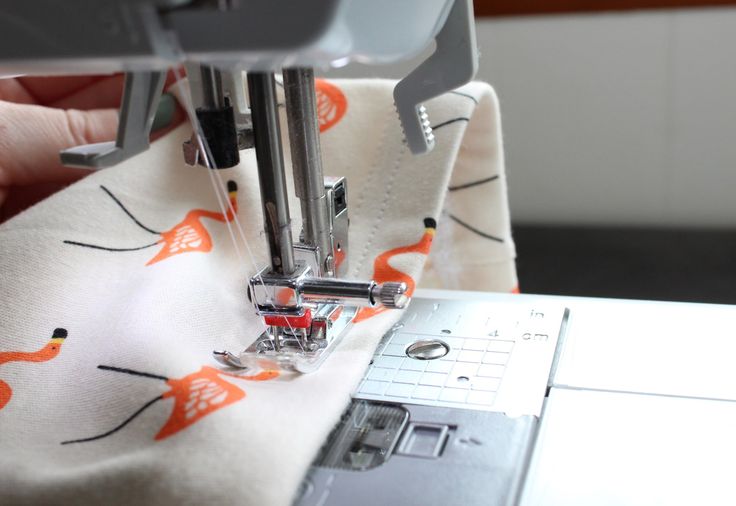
x: 116, y: 290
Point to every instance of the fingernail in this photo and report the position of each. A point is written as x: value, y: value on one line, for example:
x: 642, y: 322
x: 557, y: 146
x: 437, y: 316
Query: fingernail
x: 165, y: 112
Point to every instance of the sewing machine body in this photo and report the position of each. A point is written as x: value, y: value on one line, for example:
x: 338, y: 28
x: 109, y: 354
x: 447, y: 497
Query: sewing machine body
x: 635, y: 407
x: 100, y: 36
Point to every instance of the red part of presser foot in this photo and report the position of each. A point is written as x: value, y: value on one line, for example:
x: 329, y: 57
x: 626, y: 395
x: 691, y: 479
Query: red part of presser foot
x: 297, y: 322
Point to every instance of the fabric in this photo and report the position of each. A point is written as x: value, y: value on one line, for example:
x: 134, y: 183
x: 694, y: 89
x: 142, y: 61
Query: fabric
x: 116, y: 290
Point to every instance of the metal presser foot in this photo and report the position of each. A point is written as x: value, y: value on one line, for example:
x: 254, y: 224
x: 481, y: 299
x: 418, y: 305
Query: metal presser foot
x: 300, y: 336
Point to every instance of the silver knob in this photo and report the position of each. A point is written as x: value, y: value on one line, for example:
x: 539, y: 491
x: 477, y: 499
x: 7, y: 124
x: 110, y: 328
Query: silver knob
x: 391, y: 295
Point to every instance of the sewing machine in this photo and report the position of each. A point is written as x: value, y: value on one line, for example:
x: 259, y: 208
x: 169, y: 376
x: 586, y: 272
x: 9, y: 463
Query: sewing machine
x: 302, y: 296
x: 463, y: 400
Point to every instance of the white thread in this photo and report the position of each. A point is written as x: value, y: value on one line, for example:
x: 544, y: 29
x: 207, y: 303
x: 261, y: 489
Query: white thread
x: 204, y: 149
x: 207, y: 154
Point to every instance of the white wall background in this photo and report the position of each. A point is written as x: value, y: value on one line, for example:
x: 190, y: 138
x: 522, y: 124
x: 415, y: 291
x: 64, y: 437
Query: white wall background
x: 620, y: 118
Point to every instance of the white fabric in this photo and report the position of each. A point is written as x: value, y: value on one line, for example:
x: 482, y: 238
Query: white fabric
x: 483, y: 258
x: 165, y: 318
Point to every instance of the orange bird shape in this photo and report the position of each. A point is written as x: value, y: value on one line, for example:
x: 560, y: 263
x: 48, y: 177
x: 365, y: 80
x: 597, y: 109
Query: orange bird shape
x: 195, y: 396
x: 187, y: 236
x: 52, y: 348
x: 384, y: 272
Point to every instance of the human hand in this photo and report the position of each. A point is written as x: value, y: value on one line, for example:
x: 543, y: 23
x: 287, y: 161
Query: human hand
x: 40, y: 116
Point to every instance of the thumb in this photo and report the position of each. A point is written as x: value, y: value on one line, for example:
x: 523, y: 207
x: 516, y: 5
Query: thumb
x: 31, y: 137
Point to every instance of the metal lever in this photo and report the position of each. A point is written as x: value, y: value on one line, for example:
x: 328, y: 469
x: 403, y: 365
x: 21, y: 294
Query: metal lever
x: 454, y: 63
x: 141, y: 94
x: 271, y: 177
x: 306, y: 160
x: 286, y: 295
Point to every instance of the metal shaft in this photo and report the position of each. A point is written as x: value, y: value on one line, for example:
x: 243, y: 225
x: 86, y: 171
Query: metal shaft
x: 306, y: 160
x: 272, y: 180
x: 354, y: 293
x: 213, y: 96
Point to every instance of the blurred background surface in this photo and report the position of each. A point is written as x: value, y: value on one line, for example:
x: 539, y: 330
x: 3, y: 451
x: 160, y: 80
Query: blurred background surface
x: 619, y: 122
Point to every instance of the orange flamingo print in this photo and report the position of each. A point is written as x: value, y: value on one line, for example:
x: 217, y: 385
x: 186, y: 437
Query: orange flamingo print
x: 384, y: 272
x: 195, y: 395
x: 187, y: 236
x: 331, y: 104
x: 51, y: 350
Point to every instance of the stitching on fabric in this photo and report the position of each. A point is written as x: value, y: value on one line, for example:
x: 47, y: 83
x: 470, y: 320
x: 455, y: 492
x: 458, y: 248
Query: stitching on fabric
x: 369, y: 183
x: 384, y: 205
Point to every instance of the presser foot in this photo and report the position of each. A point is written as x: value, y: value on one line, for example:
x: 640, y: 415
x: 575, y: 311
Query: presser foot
x: 295, y: 349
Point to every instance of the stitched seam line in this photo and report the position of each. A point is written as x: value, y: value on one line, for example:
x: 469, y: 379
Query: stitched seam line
x: 384, y: 205
x: 375, y: 168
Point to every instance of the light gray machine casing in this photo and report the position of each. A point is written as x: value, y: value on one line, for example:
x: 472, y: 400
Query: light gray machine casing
x: 101, y: 36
